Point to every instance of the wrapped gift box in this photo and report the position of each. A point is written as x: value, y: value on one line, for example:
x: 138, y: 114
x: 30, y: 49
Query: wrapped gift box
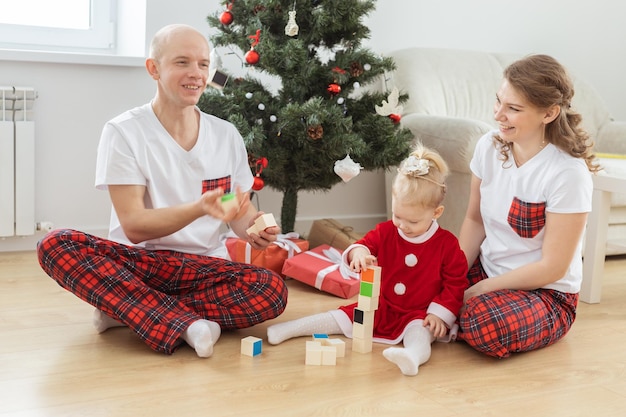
x: 321, y: 267
x: 331, y: 232
x: 273, y: 257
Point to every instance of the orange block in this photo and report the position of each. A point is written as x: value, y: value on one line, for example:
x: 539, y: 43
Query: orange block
x: 371, y: 274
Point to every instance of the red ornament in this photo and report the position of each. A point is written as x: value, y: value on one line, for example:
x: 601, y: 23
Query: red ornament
x: 395, y: 118
x: 226, y: 18
x: 334, y: 89
x: 252, y: 57
x: 260, y: 164
x: 258, y: 183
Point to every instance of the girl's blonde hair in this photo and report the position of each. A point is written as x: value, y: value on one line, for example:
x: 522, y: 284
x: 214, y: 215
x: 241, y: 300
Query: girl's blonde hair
x: 421, y: 178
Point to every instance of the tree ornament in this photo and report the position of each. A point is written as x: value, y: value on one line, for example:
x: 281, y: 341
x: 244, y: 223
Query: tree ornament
x: 315, y: 132
x: 292, y: 27
x: 395, y: 118
x: 334, y: 89
x: 226, y: 18
x: 259, y: 165
x: 356, y: 70
x: 252, y: 56
x: 258, y: 183
x: 390, y: 106
x: 215, y: 60
x: 347, y: 168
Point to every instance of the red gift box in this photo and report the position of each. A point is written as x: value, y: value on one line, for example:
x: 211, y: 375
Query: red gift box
x: 322, y: 268
x: 273, y: 257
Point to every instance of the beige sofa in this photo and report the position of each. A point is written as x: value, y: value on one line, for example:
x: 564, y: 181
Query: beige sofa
x: 451, y: 97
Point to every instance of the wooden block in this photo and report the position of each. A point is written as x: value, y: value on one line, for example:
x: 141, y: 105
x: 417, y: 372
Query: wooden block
x: 313, y: 353
x: 262, y: 223
x: 363, y: 330
x: 366, y: 289
x: 367, y: 303
x: 329, y: 355
x: 363, y: 317
x: 371, y: 274
x: 369, y: 289
x: 338, y: 344
x: 251, y: 346
x: 228, y: 201
x: 362, y: 345
x: 319, y: 337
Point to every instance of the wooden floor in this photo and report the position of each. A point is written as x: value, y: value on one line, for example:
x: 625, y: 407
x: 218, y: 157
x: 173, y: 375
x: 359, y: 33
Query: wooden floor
x: 53, y: 363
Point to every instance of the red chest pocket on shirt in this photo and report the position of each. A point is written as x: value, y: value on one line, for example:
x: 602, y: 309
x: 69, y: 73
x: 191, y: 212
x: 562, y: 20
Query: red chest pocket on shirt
x: 210, y: 185
x: 527, y: 219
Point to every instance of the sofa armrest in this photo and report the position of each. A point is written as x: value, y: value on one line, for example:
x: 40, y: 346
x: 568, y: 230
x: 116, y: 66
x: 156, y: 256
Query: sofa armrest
x: 612, y: 138
x: 454, y: 138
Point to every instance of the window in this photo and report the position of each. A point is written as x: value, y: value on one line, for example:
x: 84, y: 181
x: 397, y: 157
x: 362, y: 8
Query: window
x: 59, y: 25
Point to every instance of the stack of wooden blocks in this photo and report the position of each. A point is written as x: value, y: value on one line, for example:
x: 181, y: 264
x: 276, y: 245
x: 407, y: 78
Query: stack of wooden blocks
x: 363, y: 327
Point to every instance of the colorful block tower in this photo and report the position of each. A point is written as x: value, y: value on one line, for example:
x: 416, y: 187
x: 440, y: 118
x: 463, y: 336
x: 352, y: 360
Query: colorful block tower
x: 363, y: 327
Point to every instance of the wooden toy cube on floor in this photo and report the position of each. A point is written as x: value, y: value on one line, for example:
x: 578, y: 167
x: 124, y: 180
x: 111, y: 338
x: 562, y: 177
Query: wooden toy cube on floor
x: 318, y: 354
x: 329, y: 355
x: 313, y: 353
x: 251, y: 346
x: 338, y: 344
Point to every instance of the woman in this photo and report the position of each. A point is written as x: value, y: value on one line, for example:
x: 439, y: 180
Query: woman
x: 530, y: 194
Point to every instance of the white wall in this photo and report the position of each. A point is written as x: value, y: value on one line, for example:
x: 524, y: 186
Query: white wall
x: 76, y: 100
x: 588, y: 37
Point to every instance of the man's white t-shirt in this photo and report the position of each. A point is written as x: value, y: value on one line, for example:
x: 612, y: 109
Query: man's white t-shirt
x: 135, y: 149
x: 513, y: 200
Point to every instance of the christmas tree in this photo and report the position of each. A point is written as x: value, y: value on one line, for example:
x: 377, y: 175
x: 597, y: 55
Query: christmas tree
x: 320, y: 125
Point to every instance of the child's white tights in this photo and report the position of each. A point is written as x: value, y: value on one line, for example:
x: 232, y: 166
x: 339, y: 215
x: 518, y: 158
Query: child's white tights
x: 417, y: 347
x: 306, y: 326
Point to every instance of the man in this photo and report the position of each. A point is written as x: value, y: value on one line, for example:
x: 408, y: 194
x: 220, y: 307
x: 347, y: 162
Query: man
x: 166, y: 165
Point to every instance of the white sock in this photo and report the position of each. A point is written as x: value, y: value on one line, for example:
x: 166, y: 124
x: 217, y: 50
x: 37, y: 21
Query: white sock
x: 103, y: 322
x: 306, y: 326
x: 416, y: 350
x: 202, y: 335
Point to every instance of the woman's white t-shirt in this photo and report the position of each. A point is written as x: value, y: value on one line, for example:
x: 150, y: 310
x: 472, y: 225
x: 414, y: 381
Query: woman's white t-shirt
x: 136, y: 149
x: 514, y: 202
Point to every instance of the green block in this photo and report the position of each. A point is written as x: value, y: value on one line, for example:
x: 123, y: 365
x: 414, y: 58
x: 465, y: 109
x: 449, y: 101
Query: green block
x: 366, y: 289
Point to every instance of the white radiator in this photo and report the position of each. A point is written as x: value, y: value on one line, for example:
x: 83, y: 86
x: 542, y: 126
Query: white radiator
x: 17, y: 161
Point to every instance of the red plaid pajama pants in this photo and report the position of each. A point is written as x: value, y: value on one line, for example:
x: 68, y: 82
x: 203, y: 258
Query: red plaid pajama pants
x: 158, y: 294
x: 502, y: 322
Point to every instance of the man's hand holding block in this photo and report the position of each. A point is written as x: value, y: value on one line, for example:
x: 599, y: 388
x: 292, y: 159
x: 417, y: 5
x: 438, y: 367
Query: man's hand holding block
x: 262, y: 223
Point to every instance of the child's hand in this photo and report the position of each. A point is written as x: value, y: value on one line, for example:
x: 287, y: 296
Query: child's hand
x: 360, y: 259
x: 435, y: 325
